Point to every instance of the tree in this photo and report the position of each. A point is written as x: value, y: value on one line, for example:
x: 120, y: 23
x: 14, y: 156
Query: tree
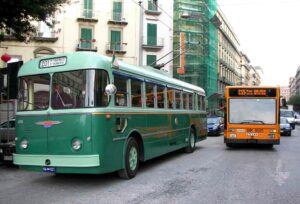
x: 16, y: 15
x: 295, y: 101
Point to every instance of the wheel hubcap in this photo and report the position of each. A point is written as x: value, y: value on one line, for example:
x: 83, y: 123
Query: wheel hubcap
x: 133, y: 158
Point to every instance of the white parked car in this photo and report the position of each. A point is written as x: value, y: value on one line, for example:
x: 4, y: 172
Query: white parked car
x: 289, y: 114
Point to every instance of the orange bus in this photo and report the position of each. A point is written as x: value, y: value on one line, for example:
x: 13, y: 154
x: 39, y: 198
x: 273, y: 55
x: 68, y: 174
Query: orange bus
x: 252, y: 115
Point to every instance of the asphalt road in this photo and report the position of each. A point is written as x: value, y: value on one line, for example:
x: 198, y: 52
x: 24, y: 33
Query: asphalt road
x: 212, y: 174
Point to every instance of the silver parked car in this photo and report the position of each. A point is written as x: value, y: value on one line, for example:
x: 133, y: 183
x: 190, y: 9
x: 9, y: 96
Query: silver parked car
x: 7, y: 131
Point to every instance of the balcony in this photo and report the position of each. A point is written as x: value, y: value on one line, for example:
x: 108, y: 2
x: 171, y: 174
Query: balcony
x: 118, y: 48
x: 46, y: 36
x: 86, y: 45
x: 87, y: 15
x: 151, y: 43
x: 117, y: 19
x: 152, y: 9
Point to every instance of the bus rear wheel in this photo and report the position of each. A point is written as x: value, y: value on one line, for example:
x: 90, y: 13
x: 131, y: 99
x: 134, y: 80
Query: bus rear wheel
x: 192, y: 142
x: 131, y: 160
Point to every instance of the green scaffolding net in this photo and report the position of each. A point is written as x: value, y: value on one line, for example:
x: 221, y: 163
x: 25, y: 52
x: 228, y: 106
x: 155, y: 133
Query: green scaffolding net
x: 195, y: 19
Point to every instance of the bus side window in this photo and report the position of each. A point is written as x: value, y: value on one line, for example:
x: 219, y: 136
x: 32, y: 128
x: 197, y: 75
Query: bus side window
x: 191, y: 104
x: 185, y: 100
x: 136, y: 93
x: 121, y: 95
x: 199, y: 102
x: 170, y: 100
x: 160, y: 97
x: 178, y: 99
x: 150, y: 95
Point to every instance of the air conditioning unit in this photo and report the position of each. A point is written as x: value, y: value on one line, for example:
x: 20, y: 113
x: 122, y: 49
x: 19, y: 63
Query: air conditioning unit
x: 123, y: 19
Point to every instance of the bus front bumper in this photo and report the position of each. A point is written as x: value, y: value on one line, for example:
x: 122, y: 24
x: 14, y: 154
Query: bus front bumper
x: 250, y: 141
x: 57, y: 160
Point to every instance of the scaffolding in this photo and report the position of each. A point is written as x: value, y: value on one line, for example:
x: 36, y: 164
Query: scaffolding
x: 194, y: 18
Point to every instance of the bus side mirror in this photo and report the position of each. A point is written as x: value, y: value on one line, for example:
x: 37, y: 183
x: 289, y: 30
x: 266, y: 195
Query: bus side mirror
x: 110, y: 89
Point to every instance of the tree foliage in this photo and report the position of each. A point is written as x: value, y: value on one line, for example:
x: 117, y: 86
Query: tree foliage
x: 17, y: 15
x: 295, y: 101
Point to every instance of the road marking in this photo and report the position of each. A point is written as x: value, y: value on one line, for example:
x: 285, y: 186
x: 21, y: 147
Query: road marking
x: 280, y: 175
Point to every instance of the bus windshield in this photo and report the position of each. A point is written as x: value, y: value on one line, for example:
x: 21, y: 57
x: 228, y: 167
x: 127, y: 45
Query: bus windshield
x: 74, y: 89
x: 252, y: 111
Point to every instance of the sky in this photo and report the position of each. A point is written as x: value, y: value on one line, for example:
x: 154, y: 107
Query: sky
x: 269, y: 34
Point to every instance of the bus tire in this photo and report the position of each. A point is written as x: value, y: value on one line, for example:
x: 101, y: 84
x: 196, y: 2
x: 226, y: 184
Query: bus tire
x: 192, y: 142
x: 229, y: 145
x: 131, y: 160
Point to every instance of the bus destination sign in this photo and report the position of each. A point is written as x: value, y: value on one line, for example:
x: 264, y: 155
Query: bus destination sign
x: 53, y: 62
x: 253, y: 92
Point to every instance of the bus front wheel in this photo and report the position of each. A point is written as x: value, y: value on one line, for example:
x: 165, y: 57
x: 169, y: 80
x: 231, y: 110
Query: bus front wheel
x: 131, y: 160
x: 192, y: 142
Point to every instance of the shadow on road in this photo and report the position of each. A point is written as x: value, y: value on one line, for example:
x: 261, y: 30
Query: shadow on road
x: 251, y: 147
x: 69, y: 180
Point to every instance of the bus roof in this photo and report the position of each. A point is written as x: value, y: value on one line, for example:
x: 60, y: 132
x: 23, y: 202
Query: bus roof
x: 91, y: 60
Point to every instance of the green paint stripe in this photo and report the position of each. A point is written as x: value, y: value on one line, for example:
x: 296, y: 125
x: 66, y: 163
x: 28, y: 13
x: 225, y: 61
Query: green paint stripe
x: 57, y: 160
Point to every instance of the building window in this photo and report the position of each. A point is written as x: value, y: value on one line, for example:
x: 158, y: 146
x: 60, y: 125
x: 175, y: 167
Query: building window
x: 117, y: 10
x: 152, y: 5
x: 115, y: 40
x: 88, y: 9
x: 151, y: 59
x: 86, y: 38
x: 151, y: 34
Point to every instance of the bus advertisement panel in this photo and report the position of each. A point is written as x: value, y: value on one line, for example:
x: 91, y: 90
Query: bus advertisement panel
x: 252, y: 115
x: 79, y: 114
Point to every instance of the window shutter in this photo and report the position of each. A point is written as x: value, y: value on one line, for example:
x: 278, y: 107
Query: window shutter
x: 115, y: 40
x: 86, y: 37
x: 88, y: 8
x: 151, y: 59
x: 117, y: 11
x: 151, y: 34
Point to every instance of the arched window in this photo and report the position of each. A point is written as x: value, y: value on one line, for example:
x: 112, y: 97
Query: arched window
x: 43, y: 51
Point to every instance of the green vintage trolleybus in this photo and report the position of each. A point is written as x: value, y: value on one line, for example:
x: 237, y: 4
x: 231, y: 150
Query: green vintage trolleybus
x: 78, y: 113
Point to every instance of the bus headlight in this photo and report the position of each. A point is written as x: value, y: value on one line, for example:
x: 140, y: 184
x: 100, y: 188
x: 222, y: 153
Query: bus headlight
x: 76, y: 144
x: 272, y: 131
x: 24, y: 144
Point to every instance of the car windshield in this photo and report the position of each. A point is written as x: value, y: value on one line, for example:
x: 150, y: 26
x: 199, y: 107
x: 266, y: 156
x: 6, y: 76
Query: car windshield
x: 211, y: 121
x: 283, y: 121
x: 252, y: 111
x: 286, y: 114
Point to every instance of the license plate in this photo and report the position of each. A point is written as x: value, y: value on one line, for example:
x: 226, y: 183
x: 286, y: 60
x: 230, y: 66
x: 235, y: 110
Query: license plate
x: 49, y: 169
x: 7, y: 158
x: 252, y: 134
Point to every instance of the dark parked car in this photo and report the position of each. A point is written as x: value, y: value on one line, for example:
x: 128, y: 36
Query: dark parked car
x: 285, y: 127
x: 7, y: 141
x: 215, y: 125
x: 7, y: 134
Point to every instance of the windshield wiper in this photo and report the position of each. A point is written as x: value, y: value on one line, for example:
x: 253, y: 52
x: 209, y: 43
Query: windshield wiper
x: 252, y: 121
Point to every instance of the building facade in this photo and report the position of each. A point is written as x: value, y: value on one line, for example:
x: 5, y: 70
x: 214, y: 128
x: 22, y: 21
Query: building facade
x: 136, y: 32
x: 229, y: 55
x: 244, y: 70
x: 285, y: 92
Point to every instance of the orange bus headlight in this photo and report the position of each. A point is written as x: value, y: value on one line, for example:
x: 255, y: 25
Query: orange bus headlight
x: 231, y: 130
x: 272, y: 131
